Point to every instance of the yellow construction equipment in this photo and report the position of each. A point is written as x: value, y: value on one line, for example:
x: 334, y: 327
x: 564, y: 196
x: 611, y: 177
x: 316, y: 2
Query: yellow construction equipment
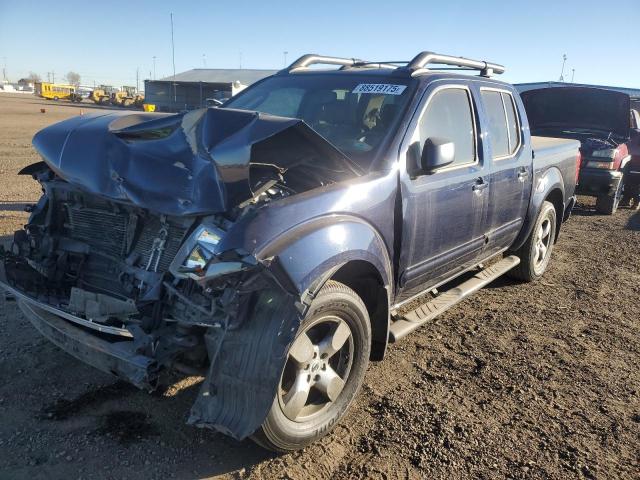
x: 102, y: 94
x: 127, y: 97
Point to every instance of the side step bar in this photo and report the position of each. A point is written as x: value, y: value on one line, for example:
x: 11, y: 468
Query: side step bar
x: 428, y: 311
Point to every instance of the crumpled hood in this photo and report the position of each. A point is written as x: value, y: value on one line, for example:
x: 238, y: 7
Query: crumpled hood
x: 178, y: 164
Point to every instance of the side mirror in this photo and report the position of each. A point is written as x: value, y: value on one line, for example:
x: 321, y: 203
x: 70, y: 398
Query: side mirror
x: 437, y: 153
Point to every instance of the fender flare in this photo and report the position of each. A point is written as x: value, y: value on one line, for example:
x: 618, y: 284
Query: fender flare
x: 551, y: 180
x: 309, y: 253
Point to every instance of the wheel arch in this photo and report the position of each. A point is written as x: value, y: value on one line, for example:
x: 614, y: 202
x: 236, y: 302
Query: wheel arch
x: 555, y: 196
x: 347, y: 250
x: 549, y: 186
x: 365, y: 279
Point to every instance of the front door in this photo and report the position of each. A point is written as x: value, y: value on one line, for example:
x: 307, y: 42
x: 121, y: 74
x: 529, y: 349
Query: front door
x: 443, y: 211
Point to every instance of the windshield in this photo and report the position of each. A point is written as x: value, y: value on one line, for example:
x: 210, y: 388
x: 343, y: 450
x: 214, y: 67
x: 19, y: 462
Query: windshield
x: 354, y: 113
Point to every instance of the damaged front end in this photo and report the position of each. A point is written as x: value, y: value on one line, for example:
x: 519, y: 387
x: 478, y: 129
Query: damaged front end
x: 152, y: 282
x: 134, y: 276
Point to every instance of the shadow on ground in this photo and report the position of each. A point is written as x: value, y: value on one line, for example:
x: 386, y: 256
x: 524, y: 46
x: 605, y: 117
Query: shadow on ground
x: 634, y: 222
x: 13, y: 206
x: 5, y: 241
x: 583, y: 210
x: 125, y: 417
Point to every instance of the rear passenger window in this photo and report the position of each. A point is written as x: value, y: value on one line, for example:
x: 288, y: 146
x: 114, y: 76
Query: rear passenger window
x: 512, y: 122
x: 449, y: 116
x: 504, y: 132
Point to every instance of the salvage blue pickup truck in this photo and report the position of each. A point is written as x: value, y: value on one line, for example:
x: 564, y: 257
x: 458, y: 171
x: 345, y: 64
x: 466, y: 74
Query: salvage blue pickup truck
x: 277, y: 244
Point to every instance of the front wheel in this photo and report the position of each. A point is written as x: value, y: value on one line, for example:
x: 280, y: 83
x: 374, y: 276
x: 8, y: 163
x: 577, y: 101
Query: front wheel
x: 324, y: 370
x: 536, y: 252
x: 608, y: 204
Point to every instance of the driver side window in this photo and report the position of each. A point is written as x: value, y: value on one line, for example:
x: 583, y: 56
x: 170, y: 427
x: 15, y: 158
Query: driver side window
x: 449, y: 115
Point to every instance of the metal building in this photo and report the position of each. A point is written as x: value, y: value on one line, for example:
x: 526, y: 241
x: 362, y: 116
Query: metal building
x: 198, y: 87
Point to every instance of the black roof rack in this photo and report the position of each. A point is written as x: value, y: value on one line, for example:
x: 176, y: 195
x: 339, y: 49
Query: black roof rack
x: 419, y: 65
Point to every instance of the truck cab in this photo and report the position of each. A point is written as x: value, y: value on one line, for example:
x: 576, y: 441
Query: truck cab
x: 281, y: 242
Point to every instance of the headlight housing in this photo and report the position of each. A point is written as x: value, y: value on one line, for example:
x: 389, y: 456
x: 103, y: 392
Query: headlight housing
x: 606, y: 153
x: 206, y: 241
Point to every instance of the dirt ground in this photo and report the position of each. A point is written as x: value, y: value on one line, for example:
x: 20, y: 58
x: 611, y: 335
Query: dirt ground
x: 521, y: 381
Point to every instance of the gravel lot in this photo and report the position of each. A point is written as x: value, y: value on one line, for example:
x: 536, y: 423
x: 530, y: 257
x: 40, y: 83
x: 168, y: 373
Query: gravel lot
x: 520, y: 381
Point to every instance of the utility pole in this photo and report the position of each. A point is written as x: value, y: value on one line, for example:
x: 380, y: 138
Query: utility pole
x: 137, y: 79
x: 173, y: 59
x: 240, y: 60
x: 204, y: 60
x: 573, y: 72
x: 564, y: 60
x: 285, y: 53
x: 154, y: 68
x: 4, y: 68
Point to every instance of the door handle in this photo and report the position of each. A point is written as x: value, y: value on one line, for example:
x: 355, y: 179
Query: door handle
x: 523, y: 174
x: 479, y: 185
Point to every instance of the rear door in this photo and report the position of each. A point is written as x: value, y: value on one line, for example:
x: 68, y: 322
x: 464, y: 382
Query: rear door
x: 510, y: 173
x: 443, y: 212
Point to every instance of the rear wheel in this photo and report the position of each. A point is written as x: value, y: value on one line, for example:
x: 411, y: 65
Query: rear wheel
x: 324, y: 370
x: 536, y: 252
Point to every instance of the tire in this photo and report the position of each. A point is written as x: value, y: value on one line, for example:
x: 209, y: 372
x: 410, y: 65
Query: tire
x: 534, y: 261
x: 291, y: 424
x: 608, y: 204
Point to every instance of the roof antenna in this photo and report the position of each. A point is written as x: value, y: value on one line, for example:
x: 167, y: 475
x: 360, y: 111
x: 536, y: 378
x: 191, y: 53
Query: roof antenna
x: 173, y: 60
x: 564, y: 60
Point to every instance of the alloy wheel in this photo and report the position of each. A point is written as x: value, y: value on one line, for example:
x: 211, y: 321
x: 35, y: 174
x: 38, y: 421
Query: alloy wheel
x: 542, y: 244
x: 317, y: 368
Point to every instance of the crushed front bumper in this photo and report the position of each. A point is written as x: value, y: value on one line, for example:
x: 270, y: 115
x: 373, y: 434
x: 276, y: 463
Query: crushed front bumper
x: 117, y: 357
x: 598, y: 182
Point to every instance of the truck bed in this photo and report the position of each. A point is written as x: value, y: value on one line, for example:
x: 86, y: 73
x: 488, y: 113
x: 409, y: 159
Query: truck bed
x: 561, y: 153
x: 549, y: 143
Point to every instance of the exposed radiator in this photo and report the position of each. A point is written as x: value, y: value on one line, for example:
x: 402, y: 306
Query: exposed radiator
x: 101, y: 230
x: 145, y: 243
x: 105, y: 231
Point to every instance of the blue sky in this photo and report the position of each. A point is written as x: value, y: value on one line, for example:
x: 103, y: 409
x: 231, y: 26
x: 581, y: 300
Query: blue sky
x: 528, y: 37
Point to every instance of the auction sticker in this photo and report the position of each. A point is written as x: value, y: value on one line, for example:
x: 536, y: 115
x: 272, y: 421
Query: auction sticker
x: 382, y: 88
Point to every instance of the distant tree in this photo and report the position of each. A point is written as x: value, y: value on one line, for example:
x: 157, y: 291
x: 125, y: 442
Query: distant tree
x: 33, y: 77
x: 73, y: 78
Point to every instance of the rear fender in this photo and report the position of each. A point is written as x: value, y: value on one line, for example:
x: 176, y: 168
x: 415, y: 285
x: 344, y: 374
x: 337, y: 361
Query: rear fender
x: 547, y: 186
